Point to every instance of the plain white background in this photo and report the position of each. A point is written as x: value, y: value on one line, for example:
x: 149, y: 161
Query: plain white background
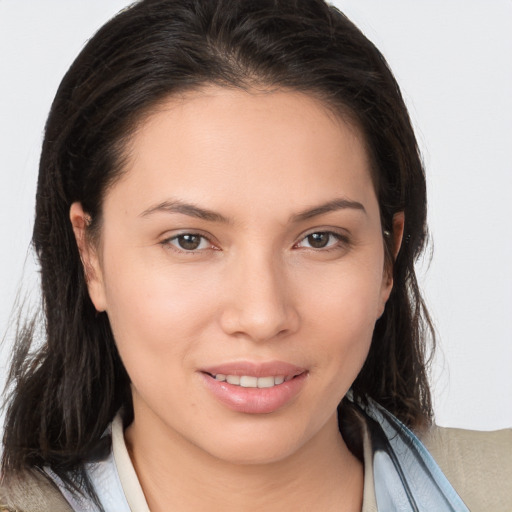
x: 452, y: 59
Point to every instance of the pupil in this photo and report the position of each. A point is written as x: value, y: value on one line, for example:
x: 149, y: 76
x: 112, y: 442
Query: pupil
x: 189, y: 242
x: 318, y: 240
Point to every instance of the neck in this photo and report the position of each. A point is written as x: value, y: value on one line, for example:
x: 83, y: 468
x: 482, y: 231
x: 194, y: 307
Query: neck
x: 322, y: 475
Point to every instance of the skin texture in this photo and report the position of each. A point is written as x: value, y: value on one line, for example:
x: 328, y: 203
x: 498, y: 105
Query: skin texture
x: 254, y: 290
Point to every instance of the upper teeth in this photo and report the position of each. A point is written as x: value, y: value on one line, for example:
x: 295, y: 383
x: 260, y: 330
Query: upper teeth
x: 247, y: 381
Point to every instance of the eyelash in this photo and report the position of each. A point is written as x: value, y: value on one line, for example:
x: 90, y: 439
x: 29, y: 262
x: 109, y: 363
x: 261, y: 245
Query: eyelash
x: 168, y: 243
x: 340, y: 241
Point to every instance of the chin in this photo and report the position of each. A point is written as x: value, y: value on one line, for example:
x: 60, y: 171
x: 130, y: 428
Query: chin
x: 256, y: 441
x: 255, y: 452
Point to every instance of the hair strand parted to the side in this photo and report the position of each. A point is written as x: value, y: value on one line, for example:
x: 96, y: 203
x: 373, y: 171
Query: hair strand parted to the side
x: 66, y: 394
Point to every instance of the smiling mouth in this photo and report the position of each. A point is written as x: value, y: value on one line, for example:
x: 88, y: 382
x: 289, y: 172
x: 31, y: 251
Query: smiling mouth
x: 255, y: 388
x: 249, y: 381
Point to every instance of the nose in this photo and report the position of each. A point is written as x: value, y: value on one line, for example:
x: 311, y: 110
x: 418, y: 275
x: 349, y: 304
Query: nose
x: 258, y: 302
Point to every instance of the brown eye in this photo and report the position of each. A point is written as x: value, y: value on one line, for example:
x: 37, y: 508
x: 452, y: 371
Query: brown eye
x: 322, y: 240
x: 189, y: 242
x: 318, y: 240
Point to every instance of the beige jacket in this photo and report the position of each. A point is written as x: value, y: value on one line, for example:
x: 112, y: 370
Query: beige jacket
x: 478, y: 465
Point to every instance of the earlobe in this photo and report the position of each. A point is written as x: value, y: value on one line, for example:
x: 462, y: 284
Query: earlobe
x: 88, y: 254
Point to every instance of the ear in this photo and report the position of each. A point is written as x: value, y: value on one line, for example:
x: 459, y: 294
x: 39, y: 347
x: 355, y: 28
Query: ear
x: 397, y: 236
x: 89, y: 256
x: 398, y: 233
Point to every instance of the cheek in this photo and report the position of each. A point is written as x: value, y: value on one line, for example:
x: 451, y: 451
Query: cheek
x: 347, y: 297
x: 156, y: 313
x: 340, y: 317
x: 345, y: 334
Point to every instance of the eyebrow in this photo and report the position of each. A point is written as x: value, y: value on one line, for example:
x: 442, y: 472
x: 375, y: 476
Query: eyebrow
x: 176, y: 206
x: 191, y: 210
x: 331, y: 206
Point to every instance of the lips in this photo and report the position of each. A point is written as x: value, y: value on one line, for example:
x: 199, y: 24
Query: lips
x: 254, y: 388
x: 264, y: 369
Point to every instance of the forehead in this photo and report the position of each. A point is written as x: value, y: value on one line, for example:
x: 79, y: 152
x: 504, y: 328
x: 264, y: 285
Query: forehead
x: 220, y: 144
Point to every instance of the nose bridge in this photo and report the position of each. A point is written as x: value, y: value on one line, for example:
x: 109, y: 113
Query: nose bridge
x: 259, y: 303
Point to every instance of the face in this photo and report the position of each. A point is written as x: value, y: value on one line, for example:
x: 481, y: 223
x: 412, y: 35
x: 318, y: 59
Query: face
x: 241, y: 265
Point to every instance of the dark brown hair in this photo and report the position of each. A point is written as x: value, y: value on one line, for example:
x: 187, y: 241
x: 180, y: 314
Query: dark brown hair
x: 67, y: 391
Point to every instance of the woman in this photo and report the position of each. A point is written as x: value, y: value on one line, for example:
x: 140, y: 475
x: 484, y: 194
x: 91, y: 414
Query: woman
x: 229, y: 207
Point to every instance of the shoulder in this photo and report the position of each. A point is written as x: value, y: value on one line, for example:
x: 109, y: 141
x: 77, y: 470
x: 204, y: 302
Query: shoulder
x: 477, y: 464
x: 31, y: 491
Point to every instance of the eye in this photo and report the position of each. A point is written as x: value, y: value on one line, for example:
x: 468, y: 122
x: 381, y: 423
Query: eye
x: 320, y: 240
x: 188, y: 242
